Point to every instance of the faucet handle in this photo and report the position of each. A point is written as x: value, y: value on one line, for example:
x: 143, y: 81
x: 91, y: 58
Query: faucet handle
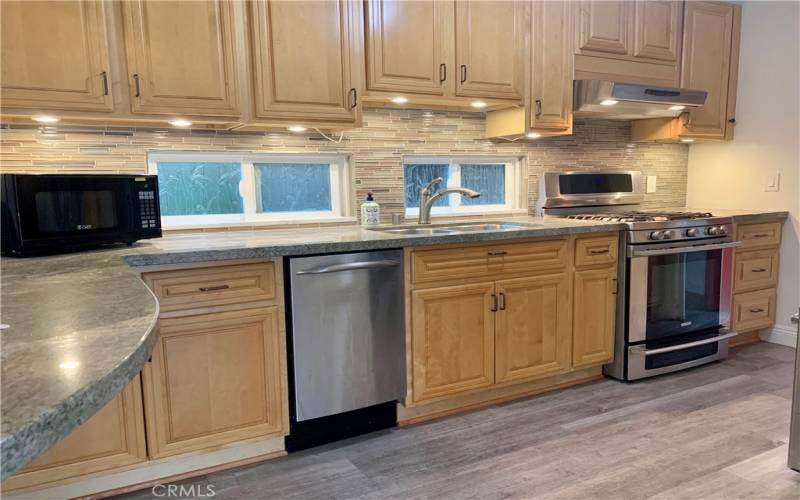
x: 432, y: 183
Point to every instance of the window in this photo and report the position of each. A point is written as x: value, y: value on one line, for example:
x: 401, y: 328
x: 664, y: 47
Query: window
x: 198, y: 189
x: 499, y: 180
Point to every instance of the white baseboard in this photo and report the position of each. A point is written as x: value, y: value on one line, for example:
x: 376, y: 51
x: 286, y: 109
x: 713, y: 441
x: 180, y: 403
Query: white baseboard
x: 779, y: 334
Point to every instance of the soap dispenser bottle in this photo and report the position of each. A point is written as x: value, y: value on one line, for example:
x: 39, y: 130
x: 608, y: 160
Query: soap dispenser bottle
x: 370, y: 212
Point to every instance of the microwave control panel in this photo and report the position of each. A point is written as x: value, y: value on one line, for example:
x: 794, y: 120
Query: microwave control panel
x: 147, y: 209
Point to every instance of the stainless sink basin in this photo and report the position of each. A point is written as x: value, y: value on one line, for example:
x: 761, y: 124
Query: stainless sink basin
x: 453, y: 228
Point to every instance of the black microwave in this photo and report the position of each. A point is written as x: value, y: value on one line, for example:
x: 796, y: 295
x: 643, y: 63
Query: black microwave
x: 59, y: 213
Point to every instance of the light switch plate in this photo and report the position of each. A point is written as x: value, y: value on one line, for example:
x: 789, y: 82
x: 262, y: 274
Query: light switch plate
x: 773, y: 182
x: 651, y: 183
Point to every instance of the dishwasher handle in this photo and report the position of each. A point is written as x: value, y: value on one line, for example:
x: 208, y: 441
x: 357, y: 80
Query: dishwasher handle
x: 351, y: 266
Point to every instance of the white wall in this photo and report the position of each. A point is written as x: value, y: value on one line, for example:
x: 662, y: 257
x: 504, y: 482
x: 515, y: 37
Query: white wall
x: 766, y: 140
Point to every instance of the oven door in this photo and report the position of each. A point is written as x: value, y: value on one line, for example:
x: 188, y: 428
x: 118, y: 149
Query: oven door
x: 64, y: 211
x: 678, y: 290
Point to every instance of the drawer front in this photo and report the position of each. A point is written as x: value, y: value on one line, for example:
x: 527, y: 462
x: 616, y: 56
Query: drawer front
x: 766, y: 234
x: 755, y: 270
x: 479, y: 261
x: 212, y: 286
x: 753, y: 310
x: 597, y: 250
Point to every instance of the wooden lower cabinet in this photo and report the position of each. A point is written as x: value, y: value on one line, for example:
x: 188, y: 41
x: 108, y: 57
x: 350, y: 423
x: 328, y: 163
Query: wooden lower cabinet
x: 114, y: 437
x: 453, y: 339
x: 593, y: 323
x: 214, y: 379
x: 532, y: 327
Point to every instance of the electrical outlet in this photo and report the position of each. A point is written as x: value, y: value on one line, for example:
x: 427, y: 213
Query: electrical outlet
x: 651, y: 183
x: 773, y: 182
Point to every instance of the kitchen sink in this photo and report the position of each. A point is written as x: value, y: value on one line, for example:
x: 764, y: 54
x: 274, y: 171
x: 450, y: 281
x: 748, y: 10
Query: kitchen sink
x: 453, y: 228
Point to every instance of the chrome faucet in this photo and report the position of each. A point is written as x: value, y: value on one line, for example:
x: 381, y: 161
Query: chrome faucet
x: 426, y: 199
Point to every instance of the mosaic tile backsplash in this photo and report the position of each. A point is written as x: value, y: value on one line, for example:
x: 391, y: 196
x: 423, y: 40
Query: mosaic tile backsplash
x: 375, y: 150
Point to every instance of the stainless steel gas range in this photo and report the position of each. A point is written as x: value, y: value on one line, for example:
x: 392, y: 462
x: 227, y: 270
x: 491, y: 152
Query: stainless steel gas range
x: 676, y: 269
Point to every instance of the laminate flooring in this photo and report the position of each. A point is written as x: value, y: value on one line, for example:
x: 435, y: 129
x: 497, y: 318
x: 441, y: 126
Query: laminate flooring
x: 718, y: 431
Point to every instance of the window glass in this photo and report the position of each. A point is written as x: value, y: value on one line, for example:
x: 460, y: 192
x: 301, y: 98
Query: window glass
x: 489, y: 180
x: 417, y: 175
x: 194, y: 188
x: 292, y: 187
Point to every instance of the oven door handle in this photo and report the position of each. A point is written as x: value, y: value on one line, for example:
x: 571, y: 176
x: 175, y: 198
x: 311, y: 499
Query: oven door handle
x: 673, y: 250
x: 648, y: 352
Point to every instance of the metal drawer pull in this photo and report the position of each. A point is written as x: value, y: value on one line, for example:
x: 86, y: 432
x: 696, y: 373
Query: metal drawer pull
x: 442, y: 72
x: 598, y: 252
x: 759, y: 270
x: 502, y: 301
x: 632, y: 252
x: 213, y: 288
x: 104, y: 76
x: 649, y: 352
x: 354, y: 100
x: 501, y: 252
x: 351, y: 266
x: 761, y: 235
x: 136, y: 82
x: 494, y: 303
x: 538, y: 107
x: 757, y: 310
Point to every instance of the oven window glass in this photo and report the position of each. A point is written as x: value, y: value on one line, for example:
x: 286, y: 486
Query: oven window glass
x: 75, y: 211
x: 683, y: 293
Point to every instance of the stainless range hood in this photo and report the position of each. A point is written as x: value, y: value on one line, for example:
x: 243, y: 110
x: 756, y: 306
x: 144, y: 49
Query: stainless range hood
x: 630, y: 101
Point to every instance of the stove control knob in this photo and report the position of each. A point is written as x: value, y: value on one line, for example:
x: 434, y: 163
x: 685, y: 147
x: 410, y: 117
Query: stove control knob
x: 722, y: 231
x: 668, y: 235
x: 693, y: 232
x: 713, y: 231
x: 656, y: 235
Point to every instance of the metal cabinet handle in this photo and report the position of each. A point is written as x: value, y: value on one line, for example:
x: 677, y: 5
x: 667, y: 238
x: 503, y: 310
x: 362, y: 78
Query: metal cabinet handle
x: 463, y: 73
x: 538, y: 107
x: 494, y: 303
x: 795, y: 318
x: 442, y: 72
x: 759, y: 270
x: 598, y: 252
x: 502, y: 301
x: 732, y: 120
x: 757, y: 310
x: 616, y: 286
x: 354, y: 100
x: 136, y: 83
x: 104, y: 76
x: 213, y: 288
x: 499, y: 252
x: 760, y: 235
x: 350, y: 266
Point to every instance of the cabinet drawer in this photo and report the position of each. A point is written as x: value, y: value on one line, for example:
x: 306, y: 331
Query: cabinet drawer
x: 596, y: 250
x: 478, y: 261
x: 755, y: 270
x: 212, y: 286
x: 753, y: 310
x: 766, y: 234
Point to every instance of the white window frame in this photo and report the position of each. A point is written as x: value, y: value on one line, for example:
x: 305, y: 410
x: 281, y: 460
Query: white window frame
x: 514, y: 180
x: 340, y: 182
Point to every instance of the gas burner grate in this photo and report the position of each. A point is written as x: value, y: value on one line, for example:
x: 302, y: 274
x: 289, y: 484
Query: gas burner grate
x: 637, y: 216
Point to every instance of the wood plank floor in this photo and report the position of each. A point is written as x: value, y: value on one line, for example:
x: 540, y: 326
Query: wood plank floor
x: 717, y: 431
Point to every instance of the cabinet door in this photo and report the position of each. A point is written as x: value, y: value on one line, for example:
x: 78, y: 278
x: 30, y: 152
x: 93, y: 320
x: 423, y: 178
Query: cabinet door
x: 190, y: 70
x: 302, y: 60
x: 55, y: 56
x: 214, y: 379
x: 409, y: 46
x: 707, y: 43
x: 605, y: 27
x: 593, y: 322
x: 452, y: 339
x: 533, y: 327
x: 490, y: 48
x: 551, y: 65
x: 657, y: 29
x: 112, y: 438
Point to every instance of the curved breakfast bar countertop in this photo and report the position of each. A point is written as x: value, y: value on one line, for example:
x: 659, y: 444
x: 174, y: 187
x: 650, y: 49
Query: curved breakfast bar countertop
x: 81, y: 325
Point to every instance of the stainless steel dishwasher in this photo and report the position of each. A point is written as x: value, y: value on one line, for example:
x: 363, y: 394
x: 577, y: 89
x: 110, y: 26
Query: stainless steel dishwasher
x: 347, y: 342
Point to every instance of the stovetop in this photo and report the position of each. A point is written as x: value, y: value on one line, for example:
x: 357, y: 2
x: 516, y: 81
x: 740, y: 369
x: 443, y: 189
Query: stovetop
x: 641, y: 216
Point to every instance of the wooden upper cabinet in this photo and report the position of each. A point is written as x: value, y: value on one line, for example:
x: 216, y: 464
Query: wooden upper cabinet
x: 55, y: 56
x: 303, y: 60
x: 409, y: 46
x: 710, y: 62
x: 113, y: 437
x: 180, y: 57
x: 533, y: 327
x: 593, y: 323
x: 604, y: 26
x: 657, y: 29
x: 551, y: 66
x: 490, y: 48
x: 452, y: 339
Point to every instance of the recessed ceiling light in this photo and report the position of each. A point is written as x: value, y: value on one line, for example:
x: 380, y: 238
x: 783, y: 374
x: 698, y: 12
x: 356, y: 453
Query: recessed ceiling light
x: 297, y: 128
x: 533, y: 135
x: 399, y: 100
x: 180, y: 123
x: 677, y: 108
x: 687, y: 140
x: 478, y: 104
x: 46, y: 119
x: 608, y: 102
